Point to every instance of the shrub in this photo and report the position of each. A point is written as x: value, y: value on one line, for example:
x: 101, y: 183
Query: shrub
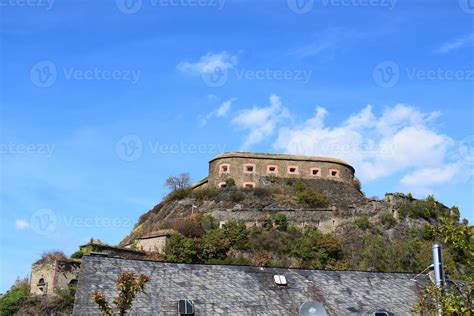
x: 77, y: 255
x: 362, y: 222
x: 311, y: 197
x: 237, y: 196
x: 427, y: 232
x: 181, y: 249
x: 129, y: 285
x: 262, y: 192
x: 386, y: 219
x: 229, y: 183
x: 214, y: 245
x: 205, y: 194
x: 11, y: 302
x: 178, y: 194
x: 281, y: 221
x: 267, y: 222
x: 356, y: 183
x: 236, y: 232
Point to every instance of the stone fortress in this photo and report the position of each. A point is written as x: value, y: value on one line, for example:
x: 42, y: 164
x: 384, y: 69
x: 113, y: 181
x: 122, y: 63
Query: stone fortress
x: 252, y: 170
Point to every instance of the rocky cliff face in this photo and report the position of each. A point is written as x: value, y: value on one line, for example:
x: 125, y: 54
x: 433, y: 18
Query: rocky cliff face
x: 345, y: 202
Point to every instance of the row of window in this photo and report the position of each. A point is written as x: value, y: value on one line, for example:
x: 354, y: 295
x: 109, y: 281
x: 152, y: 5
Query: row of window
x: 250, y: 168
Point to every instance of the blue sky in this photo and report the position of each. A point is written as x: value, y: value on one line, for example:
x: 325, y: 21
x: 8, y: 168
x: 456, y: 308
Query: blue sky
x: 102, y: 100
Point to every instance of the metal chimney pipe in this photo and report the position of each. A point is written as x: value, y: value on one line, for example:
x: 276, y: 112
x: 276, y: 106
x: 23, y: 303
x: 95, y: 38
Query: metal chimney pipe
x: 440, y: 280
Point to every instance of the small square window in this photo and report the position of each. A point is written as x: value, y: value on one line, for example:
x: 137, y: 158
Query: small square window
x: 334, y: 173
x: 249, y: 168
x: 272, y: 169
x: 224, y: 169
x: 249, y: 185
x: 293, y: 170
x: 316, y: 172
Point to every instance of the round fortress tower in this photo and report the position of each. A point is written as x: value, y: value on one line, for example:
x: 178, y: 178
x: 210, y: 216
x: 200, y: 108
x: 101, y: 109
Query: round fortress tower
x: 248, y: 169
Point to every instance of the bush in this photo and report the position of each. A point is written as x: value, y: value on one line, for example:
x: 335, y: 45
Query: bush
x: 362, y: 222
x: 427, y: 233
x: 181, y: 249
x: 262, y: 192
x: 236, y: 232
x: 77, y: 255
x: 206, y: 194
x: 237, y: 196
x: 178, y: 194
x: 11, y: 302
x: 312, y: 198
x: 281, y: 221
x: 386, y: 219
x: 229, y: 183
x: 356, y: 183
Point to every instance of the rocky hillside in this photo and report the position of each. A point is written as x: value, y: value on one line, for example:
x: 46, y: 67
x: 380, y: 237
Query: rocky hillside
x: 311, y: 224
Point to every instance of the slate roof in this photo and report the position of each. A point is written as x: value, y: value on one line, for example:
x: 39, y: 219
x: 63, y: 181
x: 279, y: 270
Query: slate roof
x: 241, y: 290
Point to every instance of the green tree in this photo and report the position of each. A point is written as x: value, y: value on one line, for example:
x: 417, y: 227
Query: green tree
x: 129, y: 285
x: 11, y: 302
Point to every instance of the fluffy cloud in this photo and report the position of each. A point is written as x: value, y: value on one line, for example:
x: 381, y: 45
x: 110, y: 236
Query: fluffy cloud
x: 399, y: 140
x: 209, y: 63
x: 456, y: 44
x: 22, y: 224
x: 260, y: 122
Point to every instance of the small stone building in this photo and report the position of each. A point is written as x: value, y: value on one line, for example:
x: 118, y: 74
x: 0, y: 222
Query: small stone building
x: 249, y: 170
x: 153, y: 242
x: 243, y: 290
x: 49, y: 275
x: 96, y: 246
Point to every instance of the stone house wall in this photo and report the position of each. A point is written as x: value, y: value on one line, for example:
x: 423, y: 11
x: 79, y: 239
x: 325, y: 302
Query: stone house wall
x: 248, y: 169
x: 152, y: 244
x: 47, y: 276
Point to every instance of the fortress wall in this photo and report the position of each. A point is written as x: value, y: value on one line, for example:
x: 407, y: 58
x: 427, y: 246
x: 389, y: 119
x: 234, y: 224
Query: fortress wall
x: 236, y: 169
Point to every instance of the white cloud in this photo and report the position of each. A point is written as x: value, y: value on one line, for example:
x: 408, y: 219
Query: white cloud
x: 221, y: 111
x: 209, y: 63
x: 224, y: 108
x: 456, y: 44
x: 327, y: 41
x: 22, y: 224
x: 260, y: 122
x: 431, y: 176
x: 399, y: 140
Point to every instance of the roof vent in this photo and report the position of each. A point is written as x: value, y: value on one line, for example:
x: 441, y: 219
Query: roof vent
x: 280, y: 280
x: 312, y: 308
x: 381, y: 313
x: 185, y: 307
